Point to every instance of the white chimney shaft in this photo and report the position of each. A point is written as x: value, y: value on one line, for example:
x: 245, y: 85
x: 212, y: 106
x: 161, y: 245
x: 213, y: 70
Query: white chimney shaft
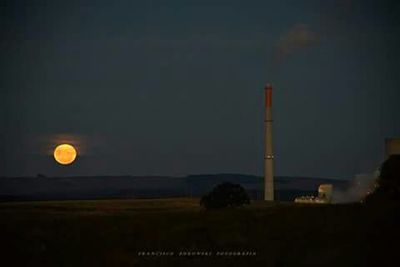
x: 268, y: 151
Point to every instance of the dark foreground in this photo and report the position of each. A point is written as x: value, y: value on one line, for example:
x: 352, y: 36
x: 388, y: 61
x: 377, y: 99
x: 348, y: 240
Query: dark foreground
x: 115, y: 232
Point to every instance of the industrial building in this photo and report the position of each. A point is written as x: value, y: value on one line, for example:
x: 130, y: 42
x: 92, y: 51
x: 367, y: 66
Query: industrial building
x: 392, y: 147
x: 324, y: 196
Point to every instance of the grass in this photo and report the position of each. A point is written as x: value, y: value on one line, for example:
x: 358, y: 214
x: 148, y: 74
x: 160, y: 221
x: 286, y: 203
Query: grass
x: 112, y: 232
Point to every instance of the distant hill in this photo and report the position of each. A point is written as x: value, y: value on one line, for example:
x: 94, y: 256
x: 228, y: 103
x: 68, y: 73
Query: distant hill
x: 57, y: 188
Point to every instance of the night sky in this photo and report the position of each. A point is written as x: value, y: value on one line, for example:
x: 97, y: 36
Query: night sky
x: 176, y: 87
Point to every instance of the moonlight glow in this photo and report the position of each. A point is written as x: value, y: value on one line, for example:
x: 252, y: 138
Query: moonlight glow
x: 65, y: 154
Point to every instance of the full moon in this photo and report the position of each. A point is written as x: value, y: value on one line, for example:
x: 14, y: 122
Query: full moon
x: 65, y: 154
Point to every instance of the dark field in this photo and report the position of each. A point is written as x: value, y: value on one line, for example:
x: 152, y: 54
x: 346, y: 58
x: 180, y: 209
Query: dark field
x: 112, y: 232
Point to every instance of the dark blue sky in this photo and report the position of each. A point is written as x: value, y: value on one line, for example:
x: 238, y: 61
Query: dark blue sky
x: 176, y: 87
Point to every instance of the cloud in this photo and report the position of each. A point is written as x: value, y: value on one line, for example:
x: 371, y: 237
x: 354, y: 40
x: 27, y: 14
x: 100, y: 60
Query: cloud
x: 294, y: 40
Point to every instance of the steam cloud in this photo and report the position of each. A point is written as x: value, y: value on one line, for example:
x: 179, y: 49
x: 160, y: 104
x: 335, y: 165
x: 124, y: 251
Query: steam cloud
x: 297, y: 38
x: 358, y: 189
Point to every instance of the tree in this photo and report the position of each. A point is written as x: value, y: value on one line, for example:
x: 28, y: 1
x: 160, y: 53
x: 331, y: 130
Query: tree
x: 389, y: 181
x: 225, y: 195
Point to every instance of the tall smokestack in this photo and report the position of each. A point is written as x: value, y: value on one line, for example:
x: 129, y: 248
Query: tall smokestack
x: 268, y: 152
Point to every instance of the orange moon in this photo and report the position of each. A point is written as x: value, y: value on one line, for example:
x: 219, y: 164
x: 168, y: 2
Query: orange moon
x: 65, y: 154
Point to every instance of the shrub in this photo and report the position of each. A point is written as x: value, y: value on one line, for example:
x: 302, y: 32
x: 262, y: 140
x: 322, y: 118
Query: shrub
x: 225, y: 195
